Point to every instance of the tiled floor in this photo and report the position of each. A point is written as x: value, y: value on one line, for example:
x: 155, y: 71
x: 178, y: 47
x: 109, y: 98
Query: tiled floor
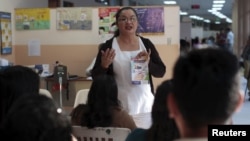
x: 243, y: 115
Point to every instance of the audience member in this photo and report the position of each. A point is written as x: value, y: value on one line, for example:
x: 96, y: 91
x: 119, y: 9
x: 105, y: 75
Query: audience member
x: 163, y: 128
x: 184, y: 47
x: 246, y: 63
x: 15, y: 82
x: 221, y: 39
x: 211, y: 41
x: 36, y: 118
x: 103, y: 107
x: 229, y: 40
x: 195, y: 42
x: 77, y: 113
x: 203, y: 44
x: 206, y: 91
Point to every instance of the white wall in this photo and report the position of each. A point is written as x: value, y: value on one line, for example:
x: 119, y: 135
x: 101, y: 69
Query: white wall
x: 209, y: 33
x: 185, y: 30
x: 197, y: 32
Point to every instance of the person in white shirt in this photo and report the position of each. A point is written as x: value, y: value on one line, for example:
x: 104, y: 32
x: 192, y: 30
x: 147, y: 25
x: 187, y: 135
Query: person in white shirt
x: 229, y: 40
x: 116, y: 57
x: 91, y: 65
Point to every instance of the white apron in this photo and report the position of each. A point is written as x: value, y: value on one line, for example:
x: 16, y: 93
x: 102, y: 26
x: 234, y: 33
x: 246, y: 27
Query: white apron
x: 135, y: 99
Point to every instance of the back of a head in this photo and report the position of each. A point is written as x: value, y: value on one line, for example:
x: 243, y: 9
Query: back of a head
x: 17, y: 81
x: 228, y: 29
x: 206, y: 86
x: 159, y: 105
x: 163, y: 127
x: 36, y: 118
x: 102, y: 97
x: 103, y: 90
x: 21, y: 79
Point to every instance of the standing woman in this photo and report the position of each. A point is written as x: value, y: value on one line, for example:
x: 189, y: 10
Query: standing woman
x: 115, y: 57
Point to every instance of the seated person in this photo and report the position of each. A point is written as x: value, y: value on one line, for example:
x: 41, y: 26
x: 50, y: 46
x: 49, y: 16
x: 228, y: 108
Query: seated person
x: 103, y: 108
x: 246, y: 64
x: 163, y: 128
x: 76, y: 114
x: 15, y: 82
x: 36, y: 118
x: 206, y: 91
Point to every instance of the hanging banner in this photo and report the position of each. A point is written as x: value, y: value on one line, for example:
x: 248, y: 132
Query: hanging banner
x: 151, y: 20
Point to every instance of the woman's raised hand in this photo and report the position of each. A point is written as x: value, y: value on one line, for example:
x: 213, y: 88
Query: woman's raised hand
x: 107, y: 57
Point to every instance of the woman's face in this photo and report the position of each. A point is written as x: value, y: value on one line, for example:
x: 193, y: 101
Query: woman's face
x: 127, y: 22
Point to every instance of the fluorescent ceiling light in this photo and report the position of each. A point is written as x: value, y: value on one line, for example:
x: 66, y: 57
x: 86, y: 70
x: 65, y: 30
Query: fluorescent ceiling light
x: 211, y: 10
x: 228, y: 20
x: 216, y: 8
x: 169, y: 2
x: 219, y: 1
x: 217, y: 22
x: 183, y: 13
x: 207, y: 21
x: 218, y: 5
x: 196, y: 17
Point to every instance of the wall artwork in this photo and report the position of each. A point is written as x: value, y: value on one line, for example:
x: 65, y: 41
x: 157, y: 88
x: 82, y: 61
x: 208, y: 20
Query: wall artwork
x: 6, y: 33
x: 32, y: 18
x: 151, y: 20
x: 74, y: 18
x: 107, y: 25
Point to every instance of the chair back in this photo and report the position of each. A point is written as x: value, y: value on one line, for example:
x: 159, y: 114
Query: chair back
x: 81, y: 97
x: 100, y: 133
x: 45, y: 92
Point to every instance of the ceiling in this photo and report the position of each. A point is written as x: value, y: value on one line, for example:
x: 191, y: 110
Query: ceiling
x: 205, y: 5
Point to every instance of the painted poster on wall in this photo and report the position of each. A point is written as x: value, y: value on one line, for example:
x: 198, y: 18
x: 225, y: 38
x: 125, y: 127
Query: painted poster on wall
x: 107, y: 24
x: 32, y: 18
x: 74, y: 18
x: 151, y: 20
x: 6, y: 33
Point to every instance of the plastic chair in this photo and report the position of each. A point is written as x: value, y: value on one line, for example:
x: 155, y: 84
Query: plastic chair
x: 45, y: 92
x: 100, y: 133
x: 81, y: 97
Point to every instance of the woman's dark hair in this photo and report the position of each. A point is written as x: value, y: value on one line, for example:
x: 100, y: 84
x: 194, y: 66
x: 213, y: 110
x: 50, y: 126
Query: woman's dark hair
x: 36, y: 118
x: 163, y: 128
x: 16, y: 81
x: 118, y: 14
x: 102, y: 99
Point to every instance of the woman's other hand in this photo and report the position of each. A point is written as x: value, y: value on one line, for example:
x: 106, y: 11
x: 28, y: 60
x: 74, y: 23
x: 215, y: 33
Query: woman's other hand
x: 143, y: 55
x: 107, y: 57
